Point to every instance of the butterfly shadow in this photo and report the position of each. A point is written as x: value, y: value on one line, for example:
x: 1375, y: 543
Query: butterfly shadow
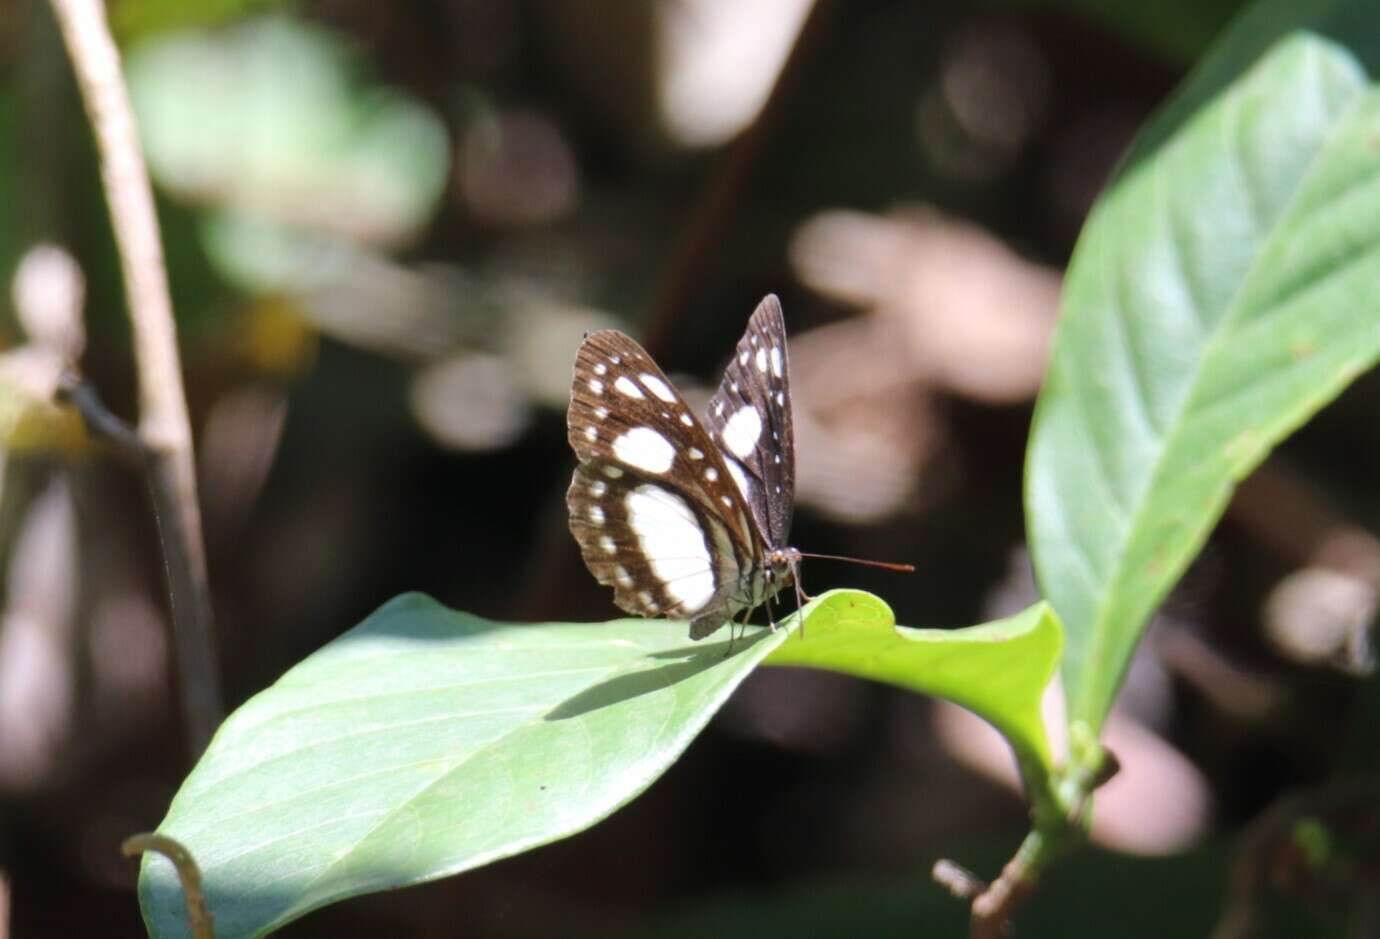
x: 681, y: 664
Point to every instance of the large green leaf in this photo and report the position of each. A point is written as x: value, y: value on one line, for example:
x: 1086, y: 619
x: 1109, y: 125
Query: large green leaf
x: 1225, y: 288
x: 425, y: 742
x: 998, y: 670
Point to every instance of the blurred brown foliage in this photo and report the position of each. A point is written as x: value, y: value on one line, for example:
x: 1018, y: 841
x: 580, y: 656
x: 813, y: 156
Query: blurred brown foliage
x: 387, y: 227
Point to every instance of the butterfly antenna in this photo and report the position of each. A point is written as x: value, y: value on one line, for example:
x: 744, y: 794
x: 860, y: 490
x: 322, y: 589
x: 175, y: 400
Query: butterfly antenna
x: 884, y: 565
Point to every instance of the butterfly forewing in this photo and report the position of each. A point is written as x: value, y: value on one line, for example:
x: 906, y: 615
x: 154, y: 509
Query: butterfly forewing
x: 652, y: 505
x: 750, y: 421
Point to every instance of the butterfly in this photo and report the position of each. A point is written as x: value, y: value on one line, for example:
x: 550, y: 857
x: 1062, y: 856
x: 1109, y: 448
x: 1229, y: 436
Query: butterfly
x: 683, y: 518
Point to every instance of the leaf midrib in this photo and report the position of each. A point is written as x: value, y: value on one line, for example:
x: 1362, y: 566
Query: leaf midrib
x: 506, y: 849
x: 1100, y: 632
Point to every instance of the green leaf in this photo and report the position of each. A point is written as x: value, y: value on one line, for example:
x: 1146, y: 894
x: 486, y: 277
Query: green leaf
x: 271, y: 124
x: 1226, y: 287
x: 998, y: 670
x: 425, y: 742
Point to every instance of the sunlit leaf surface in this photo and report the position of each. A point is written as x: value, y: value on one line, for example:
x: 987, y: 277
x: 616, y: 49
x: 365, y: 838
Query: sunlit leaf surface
x: 1226, y: 287
x: 425, y: 742
x: 998, y: 670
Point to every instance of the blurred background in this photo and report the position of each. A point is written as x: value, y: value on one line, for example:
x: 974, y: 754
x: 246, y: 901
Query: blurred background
x: 387, y: 226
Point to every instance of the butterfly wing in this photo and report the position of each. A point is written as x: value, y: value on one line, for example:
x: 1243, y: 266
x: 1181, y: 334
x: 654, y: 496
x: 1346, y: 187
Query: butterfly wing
x: 750, y: 421
x: 652, y: 504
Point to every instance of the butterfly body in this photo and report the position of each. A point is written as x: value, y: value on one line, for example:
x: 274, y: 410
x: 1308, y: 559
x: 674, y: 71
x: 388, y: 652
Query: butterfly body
x: 684, y: 517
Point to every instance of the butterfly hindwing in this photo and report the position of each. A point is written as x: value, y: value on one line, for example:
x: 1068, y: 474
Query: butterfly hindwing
x: 749, y: 419
x: 661, y: 554
x: 652, y: 505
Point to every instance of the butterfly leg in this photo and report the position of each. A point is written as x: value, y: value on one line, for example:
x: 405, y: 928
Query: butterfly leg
x: 742, y: 629
x: 801, y: 597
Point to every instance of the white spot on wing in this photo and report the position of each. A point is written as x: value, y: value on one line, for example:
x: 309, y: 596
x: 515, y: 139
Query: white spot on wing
x: 645, y: 449
x: 742, y: 430
x: 596, y: 515
x: 598, y: 488
x: 620, y: 574
x: 777, y: 367
x: 600, y: 368
x: 762, y: 360
x: 657, y: 387
x: 696, y: 453
x: 625, y: 385
x: 687, y: 420
x: 711, y: 474
x: 674, y: 545
x: 612, y: 472
x: 596, y: 386
x: 601, y: 413
x: 736, y: 471
x: 591, y: 434
x: 607, y: 544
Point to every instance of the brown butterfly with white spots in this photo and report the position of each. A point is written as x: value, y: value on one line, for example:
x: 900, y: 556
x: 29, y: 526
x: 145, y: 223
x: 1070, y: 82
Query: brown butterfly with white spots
x: 686, y: 520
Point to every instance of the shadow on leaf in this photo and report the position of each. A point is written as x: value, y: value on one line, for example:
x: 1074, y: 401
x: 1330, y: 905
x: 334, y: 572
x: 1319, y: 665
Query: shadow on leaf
x: 687, y: 662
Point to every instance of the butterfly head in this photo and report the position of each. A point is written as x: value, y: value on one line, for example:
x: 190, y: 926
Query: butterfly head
x: 782, y: 564
x: 782, y: 567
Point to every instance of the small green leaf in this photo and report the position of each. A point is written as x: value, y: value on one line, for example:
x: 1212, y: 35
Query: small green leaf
x: 1224, y: 289
x: 998, y: 670
x: 425, y: 742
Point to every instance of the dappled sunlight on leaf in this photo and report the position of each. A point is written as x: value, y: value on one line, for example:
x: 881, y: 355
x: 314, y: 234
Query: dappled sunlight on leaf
x: 425, y: 742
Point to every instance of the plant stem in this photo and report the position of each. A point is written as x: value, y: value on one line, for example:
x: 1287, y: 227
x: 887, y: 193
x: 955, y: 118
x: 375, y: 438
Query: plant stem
x: 713, y: 209
x: 187, y: 872
x: 994, y: 908
x: 164, y: 428
x: 1057, y: 804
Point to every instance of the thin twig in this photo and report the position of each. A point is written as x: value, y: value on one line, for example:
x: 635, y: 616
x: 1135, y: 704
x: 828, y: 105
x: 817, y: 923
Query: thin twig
x: 164, y: 428
x: 714, y: 208
x: 108, y: 426
x: 958, y: 880
x: 994, y: 911
x: 994, y: 905
x: 187, y: 872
